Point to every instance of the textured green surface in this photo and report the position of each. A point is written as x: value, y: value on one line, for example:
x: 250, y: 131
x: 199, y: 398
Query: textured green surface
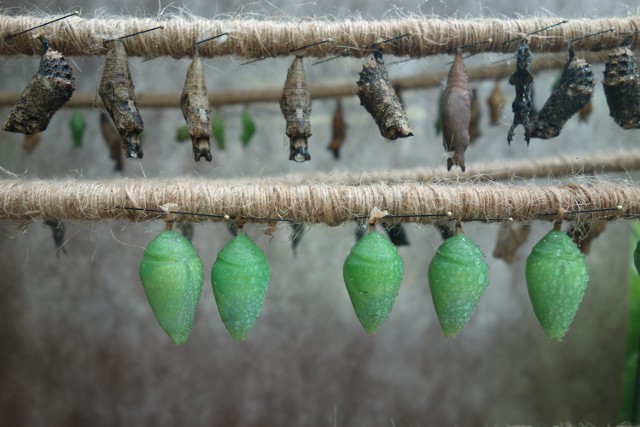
x: 171, y: 274
x: 78, y: 125
x: 248, y: 128
x: 557, y: 278
x: 458, y: 276
x: 217, y: 127
x: 240, y: 278
x: 373, y: 272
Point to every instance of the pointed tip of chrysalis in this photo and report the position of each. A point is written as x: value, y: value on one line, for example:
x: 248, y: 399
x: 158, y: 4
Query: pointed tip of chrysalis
x: 238, y: 335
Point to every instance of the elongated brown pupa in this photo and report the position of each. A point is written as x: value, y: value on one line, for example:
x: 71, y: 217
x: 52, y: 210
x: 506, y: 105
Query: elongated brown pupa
x: 510, y: 237
x: 195, y: 109
x: 573, y: 92
x: 31, y: 142
x: 117, y: 93
x: 339, y: 128
x: 476, y: 115
x: 496, y: 103
x: 456, y: 113
x: 113, y: 140
x: 49, y: 89
x: 295, y: 104
x: 622, y: 87
x: 379, y: 98
x: 523, y: 81
x: 583, y: 233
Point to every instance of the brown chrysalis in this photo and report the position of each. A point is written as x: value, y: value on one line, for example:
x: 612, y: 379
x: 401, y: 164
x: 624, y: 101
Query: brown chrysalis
x: 49, y: 89
x: 476, y: 115
x: 195, y: 109
x: 31, y: 142
x: 379, y: 98
x: 510, y: 237
x: 117, y: 93
x: 295, y: 104
x: 583, y: 233
x: 456, y: 113
x: 496, y: 103
x: 113, y: 140
x: 585, y: 112
x: 523, y: 81
x: 622, y: 87
x: 339, y: 128
x: 573, y: 92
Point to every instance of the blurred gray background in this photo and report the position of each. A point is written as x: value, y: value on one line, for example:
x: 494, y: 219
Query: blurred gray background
x: 80, y: 345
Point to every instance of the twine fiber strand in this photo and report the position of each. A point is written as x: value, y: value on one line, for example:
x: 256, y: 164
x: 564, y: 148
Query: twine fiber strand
x: 77, y: 200
x: 250, y: 38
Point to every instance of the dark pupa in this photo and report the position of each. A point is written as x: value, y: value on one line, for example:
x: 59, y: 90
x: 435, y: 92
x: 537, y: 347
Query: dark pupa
x: 621, y: 85
x: 117, y: 93
x: 379, y: 98
x: 496, y: 103
x: 195, y: 109
x: 476, y: 115
x: 510, y: 237
x: 583, y: 233
x: 396, y: 233
x: 456, y: 114
x: 574, y: 91
x: 339, y: 128
x: 113, y: 140
x: 523, y: 81
x: 49, y: 89
x: 295, y: 104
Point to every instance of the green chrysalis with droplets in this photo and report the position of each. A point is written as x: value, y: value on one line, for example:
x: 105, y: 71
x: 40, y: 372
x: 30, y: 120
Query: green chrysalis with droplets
x: 557, y: 277
x: 372, y: 273
x: 171, y: 274
x: 217, y: 127
x: 248, y: 128
x: 78, y: 125
x: 240, y: 278
x: 458, y: 276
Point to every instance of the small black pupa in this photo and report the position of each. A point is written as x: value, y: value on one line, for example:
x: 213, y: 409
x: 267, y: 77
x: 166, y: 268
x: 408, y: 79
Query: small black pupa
x: 574, y: 91
x: 621, y: 85
x: 522, y: 79
x: 295, y: 104
x: 379, y: 98
x: 49, y: 89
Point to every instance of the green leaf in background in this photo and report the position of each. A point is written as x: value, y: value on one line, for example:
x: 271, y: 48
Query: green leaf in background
x: 182, y: 133
x: 248, y: 128
x: 217, y: 126
x: 78, y: 126
x: 438, y: 123
x: 629, y: 398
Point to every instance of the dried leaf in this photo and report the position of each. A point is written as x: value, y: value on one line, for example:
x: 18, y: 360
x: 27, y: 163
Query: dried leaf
x: 573, y: 92
x: 622, y: 87
x: 476, y: 115
x: 248, y: 128
x: 78, y: 125
x: 194, y: 103
x: 295, y: 104
x: 217, y: 126
x: 117, y: 93
x: 496, y: 103
x: 31, y: 142
x: 510, y: 237
x: 379, y: 98
x: 523, y: 81
x: 456, y: 113
x: 583, y: 233
x: 113, y: 140
x: 339, y: 128
x: 49, y: 89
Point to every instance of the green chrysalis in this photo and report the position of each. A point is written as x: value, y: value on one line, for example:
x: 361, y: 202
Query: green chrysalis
x: 557, y: 277
x: 248, y: 128
x: 217, y: 127
x: 77, y: 124
x: 171, y: 274
x: 182, y: 134
x: 240, y: 278
x: 458, y: 276
x: 372, y: 273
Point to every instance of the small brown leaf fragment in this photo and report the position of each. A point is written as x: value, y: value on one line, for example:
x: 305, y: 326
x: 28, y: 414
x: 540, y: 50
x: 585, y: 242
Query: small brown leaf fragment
x: 585, y: 112
x: 295, y: 104
x: 510, y: 237
x: 496, y: 103
x: 456, y: 113
x: 31, y: 142
x: 195, y: 109
x: 339, y: 128
x: 583, y: 233
x: 573, y: 92
x: 119, y: 98
x: 621, y: 85
x: 113, y: 140
x: 522, y: 79
x: 476, y: 115
x: 47, y: 91
x: 379, y: 98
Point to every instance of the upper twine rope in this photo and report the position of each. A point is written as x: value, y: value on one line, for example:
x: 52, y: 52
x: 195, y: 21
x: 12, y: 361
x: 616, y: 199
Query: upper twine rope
x: 258, y: 39
x: 77, y: 200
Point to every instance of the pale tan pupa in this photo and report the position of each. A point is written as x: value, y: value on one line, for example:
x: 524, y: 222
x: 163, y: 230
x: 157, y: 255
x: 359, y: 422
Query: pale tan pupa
x: 195, y: 109
x: 456, y: 113
x: 295, y: 104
